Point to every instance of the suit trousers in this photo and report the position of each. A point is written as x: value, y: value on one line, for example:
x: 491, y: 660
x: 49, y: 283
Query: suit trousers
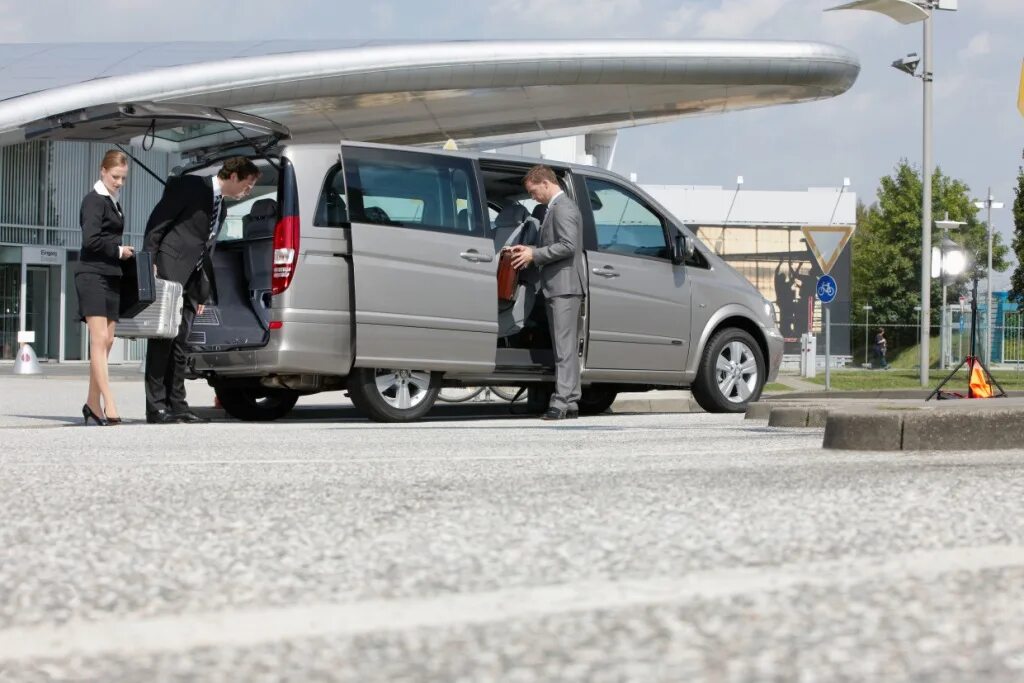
x: 165, y: 367
x: 563, y: 320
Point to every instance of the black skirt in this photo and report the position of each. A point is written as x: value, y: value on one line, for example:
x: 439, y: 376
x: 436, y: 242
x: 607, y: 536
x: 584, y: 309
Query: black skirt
x: 99, y: 295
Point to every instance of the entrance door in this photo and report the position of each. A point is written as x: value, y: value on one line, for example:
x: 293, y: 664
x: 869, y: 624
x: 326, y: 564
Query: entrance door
x: 639, y: 299
x: 10, y: 309
x: 425, y: 286
x: 37, y: 304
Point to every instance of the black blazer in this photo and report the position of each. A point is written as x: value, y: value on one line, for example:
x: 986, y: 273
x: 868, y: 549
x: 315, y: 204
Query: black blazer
x: 102, y: 228
x: 178, y: 235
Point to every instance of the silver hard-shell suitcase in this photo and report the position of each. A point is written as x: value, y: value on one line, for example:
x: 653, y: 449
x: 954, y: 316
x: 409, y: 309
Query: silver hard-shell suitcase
x: 159, y: 320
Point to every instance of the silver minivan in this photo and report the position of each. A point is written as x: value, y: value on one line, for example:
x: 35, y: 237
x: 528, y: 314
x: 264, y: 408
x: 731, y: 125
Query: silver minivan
x: 372, y: 269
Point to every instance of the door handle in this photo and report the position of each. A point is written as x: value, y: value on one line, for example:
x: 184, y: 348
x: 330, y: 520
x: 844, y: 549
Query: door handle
x: 474, y: 256
x: 607, y: 271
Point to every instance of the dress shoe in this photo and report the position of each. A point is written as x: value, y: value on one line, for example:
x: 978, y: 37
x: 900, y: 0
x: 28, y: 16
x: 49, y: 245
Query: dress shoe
x: 161, y: 417
x: 87, y: 414
x: 189, y: 417
x: 556, y: 414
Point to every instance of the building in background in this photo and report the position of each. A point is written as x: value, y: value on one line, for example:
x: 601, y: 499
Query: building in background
x: 41, y: 189
x: 759, y: 233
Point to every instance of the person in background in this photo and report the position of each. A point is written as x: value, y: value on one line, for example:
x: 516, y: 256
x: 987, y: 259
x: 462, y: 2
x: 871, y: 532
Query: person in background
x: 98, y: 281
x: 881, y: 347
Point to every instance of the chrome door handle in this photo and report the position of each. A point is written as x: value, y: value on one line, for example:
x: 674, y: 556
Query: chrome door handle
x: 607, y: 271
x: 474, y: 256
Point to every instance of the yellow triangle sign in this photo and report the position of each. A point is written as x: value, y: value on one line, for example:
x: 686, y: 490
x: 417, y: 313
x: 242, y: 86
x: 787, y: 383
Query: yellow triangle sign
x: 827, y: 243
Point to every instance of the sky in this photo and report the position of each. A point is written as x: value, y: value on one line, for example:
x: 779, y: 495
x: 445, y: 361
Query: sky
x: 861, y: 135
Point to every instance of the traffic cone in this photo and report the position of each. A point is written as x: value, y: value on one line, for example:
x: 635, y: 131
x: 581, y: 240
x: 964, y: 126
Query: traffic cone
x: 980, y: 388
x: 26, y: 363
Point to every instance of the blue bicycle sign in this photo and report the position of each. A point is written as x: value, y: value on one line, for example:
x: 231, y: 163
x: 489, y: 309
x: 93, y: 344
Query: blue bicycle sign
x: 827, y: 289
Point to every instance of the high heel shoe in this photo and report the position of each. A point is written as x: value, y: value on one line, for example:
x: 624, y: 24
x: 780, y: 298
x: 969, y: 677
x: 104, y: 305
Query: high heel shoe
x: 87, y: 413
x: 111, y: 421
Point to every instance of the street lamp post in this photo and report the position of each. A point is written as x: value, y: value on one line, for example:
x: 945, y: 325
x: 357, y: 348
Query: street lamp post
x: 989, y: 204
x: 867, y: 314
x: 911, y: 12
x: 944, y: 272
x: 918, y: 309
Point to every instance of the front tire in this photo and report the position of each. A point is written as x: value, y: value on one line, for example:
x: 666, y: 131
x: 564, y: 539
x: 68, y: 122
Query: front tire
x: 256, y: 404
x: 393, y: 395
x: 731, y: 373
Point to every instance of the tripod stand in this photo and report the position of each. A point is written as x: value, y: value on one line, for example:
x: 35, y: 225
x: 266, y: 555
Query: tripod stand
x: 970, y: 360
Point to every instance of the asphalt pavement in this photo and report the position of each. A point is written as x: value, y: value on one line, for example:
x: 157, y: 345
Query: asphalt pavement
x: 479, y: 546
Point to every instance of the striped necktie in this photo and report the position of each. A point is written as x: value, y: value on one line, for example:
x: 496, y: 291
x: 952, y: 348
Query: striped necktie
x: 215, y: 216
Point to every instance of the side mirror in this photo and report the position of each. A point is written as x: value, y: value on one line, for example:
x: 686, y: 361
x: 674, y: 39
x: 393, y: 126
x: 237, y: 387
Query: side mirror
x: 682, y: 248
x: 595, y: 201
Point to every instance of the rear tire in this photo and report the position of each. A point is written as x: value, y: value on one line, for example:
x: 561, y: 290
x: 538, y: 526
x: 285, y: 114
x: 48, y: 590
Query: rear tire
x: 256, y: 404
x: 596, y: 400
x: 731, y: 373
x: 393, y: 395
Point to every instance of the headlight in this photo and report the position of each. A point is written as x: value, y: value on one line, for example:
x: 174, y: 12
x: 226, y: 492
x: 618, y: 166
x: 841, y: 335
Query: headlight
x: 769, y: 311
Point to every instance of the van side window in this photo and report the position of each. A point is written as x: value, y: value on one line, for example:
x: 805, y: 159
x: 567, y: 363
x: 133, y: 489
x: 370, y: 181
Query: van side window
x: 624, y: 224
x: 331, y: 210
x: 412, y: 190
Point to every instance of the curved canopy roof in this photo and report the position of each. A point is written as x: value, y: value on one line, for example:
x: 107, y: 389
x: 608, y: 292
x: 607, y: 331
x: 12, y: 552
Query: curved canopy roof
x: 474, y: 92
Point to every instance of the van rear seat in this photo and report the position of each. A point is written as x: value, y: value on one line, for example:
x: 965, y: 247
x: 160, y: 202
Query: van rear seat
x: 258, y: 255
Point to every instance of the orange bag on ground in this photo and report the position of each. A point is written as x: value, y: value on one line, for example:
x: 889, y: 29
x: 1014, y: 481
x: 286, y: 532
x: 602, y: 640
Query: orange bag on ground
x: 980, y: 388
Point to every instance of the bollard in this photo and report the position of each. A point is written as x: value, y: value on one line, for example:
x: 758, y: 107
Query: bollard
x: 26, y: 362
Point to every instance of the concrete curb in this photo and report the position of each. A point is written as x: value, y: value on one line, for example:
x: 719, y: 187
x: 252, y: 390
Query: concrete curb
x: 969, y: 426
x: 640, y: 403
x: 907, y: 425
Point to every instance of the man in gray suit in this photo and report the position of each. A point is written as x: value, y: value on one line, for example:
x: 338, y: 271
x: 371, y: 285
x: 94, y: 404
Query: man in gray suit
x: 559, y: 257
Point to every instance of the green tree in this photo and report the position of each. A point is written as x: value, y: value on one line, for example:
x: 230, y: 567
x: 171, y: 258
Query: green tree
x: 886, y: 269
x: 1017, y: 279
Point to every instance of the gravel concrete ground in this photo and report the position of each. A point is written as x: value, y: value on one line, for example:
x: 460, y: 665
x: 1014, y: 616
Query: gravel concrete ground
x: 479, y: 546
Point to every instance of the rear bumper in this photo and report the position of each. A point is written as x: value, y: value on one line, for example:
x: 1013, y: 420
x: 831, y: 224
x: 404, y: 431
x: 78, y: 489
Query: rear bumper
x: 298, y: 348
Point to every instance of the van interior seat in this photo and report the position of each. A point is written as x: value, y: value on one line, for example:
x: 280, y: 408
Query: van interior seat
x: 258, y: 233
x: 331, y: 211
x: 506, y: 222
x: 257, y: 255
x: 514, y: 225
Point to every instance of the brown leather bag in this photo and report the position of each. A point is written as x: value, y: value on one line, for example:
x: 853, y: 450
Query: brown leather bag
x: 508, y: 278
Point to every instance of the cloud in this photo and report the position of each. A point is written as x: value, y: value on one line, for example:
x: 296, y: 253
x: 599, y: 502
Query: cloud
x: 12, y: 29
x: 980, y: 45
x: 999, y: 7
x: 738, y: 18
x: 568, y: 16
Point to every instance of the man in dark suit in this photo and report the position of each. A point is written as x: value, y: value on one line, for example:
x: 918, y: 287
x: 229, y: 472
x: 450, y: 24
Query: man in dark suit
x: 563, y: 281
x: 182, y: 234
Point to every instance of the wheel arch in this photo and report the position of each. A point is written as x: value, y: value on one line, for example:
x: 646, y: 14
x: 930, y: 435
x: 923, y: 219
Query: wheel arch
x: 730, y: 316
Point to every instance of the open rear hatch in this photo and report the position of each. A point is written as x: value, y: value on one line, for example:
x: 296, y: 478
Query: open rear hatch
x: 239, y: 318
x: 194, y: 131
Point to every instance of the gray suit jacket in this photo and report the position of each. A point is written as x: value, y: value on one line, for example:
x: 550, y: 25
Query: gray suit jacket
x: 559, y: 255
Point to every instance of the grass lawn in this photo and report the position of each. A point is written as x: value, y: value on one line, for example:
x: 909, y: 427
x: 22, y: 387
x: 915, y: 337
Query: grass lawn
x: 776, y: 387
x: 903, y: 378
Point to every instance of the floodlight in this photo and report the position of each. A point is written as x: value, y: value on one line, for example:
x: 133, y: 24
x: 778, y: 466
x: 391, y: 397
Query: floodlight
x: 908, y: 64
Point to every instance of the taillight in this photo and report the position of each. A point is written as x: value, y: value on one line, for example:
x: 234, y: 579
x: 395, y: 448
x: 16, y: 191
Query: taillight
x: 286, y: 253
